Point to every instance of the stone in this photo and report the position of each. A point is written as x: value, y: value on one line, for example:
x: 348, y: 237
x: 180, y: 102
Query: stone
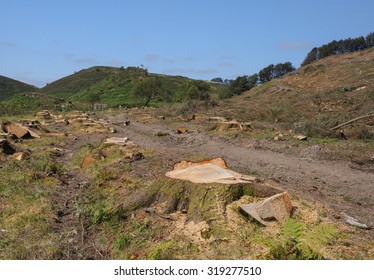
x: 277, y: 207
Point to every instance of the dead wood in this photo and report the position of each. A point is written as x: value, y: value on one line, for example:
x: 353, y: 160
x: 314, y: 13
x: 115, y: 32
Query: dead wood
x: 352, y: 121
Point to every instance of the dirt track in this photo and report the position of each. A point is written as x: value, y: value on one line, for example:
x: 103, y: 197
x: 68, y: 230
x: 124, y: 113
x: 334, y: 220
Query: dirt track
x: 330, y: 183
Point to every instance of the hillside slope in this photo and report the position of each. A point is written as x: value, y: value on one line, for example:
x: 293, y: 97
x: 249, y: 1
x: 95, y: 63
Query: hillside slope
x: 10, y: 87
x: 112, y: 85
x: 314, y: 98
x: 86, y: 79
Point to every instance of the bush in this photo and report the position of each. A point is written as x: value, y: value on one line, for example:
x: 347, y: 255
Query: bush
x: 194, y: 90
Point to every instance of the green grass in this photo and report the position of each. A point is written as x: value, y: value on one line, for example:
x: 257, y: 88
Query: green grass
x: 162, y: 251
x: 20, y: 105
x: 318, y: 141
x: 26, y: 212
x: 121, y: 242
x: 265, y: 135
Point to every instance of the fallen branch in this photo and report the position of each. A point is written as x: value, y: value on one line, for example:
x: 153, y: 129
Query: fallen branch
x: 97, y: 250
x: 351, y: 121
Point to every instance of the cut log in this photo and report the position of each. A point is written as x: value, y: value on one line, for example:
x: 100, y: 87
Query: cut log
x: 122, y: 141
x: 217, y: 119
x: 35, y: 124
x: 234, y: 125
x: 18, y: 130
x: 277, y: 207
x: 200, y: 202
x: 301, y: 137
x: 352, y: 121
x: 44, y: 114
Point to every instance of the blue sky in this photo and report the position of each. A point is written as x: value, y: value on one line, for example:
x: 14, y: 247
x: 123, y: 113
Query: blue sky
x: 41, y: 41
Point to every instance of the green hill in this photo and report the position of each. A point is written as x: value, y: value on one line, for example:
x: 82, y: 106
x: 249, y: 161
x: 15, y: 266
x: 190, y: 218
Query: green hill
x: 10, y: 87
x: 113, y: 85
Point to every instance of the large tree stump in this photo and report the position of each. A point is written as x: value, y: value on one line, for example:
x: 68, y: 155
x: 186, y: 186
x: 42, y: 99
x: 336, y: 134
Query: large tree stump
x: 201, y: 202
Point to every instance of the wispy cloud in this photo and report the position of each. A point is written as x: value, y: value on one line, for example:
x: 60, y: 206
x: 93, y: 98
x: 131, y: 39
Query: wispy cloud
x: 294, y: 45
x: 151, y: 58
